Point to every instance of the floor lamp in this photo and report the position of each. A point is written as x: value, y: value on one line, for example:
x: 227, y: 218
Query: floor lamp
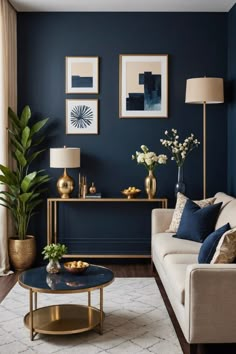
x: 204, y: 90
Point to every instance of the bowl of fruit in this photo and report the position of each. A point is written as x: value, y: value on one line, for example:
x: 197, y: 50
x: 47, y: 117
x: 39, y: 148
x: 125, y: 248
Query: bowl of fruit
x: 76, y: 266
x: 131, y: 192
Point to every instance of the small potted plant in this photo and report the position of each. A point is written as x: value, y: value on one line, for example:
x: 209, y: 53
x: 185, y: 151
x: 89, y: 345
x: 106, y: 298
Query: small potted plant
x: 53, y: 253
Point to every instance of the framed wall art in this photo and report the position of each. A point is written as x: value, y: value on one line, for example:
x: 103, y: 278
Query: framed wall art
x: 143, y: 84
x: 82, y: 116
x: 82, y: 74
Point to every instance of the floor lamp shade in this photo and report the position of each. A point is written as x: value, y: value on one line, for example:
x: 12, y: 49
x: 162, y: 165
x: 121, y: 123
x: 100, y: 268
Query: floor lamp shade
x: 204, y: 90
x: 65, y: 158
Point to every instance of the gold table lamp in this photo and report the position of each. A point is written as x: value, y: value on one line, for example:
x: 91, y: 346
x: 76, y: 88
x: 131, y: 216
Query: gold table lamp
x: 204, y: 90
x: 65, y: 158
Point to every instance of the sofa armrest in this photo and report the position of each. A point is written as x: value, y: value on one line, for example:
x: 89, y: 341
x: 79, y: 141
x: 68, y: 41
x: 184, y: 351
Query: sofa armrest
x: 161, y: 219
x: 210, y: 293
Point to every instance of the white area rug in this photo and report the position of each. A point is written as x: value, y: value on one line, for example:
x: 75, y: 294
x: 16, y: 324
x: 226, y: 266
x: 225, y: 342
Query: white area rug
x: 136, y: 322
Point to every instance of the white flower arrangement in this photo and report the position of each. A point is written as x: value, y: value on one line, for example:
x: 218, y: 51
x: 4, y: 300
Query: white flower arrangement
x: 179, y: 150
x: 148, y: 158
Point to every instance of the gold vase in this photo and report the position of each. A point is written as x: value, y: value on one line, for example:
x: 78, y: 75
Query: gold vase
x: 150, y: 185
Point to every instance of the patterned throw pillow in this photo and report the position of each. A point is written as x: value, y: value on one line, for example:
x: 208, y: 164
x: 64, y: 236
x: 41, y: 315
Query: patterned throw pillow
x: 226, y: 248
x: 179, y: 207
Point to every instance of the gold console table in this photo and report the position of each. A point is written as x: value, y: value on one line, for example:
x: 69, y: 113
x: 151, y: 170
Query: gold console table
x: 52, y: 229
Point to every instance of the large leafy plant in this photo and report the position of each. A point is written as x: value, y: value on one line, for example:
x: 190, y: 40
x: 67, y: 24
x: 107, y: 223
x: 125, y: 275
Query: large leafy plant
x: 23, y: 187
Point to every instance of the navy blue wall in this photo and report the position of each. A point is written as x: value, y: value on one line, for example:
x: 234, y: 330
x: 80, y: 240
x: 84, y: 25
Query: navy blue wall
x: 197, y: 46
x: 232, y: 101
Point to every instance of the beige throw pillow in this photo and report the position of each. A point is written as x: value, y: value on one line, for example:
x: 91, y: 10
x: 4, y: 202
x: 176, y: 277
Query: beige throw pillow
x: 226, y: 248
x: 179, y: 207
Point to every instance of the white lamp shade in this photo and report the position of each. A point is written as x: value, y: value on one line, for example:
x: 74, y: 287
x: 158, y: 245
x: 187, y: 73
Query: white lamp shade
x: 65, y: 157
x: 204, y: 89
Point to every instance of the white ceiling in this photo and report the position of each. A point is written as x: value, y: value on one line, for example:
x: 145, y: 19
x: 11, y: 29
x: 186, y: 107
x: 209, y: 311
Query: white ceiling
x: 124, y: 5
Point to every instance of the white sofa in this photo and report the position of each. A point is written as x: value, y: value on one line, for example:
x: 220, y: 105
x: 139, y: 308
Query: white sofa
x: 203, y: 296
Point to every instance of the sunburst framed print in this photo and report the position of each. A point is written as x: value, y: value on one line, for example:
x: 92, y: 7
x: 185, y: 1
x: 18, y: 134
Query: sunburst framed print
x: 82, y: 74
x: 143, y: 83
x: 82, y: 116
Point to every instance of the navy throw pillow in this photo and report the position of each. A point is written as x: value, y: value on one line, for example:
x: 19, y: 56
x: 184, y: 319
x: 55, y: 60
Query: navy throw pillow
x: 197, y: 223
x: 208, y: 247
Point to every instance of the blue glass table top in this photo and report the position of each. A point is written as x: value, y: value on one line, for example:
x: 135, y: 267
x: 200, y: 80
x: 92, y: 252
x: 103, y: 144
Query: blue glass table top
x: 39, y: 279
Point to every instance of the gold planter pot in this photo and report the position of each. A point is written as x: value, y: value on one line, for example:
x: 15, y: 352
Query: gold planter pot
x: 22, y: 253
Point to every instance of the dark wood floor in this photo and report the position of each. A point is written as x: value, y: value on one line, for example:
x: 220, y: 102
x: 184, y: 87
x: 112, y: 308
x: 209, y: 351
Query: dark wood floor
x: 140, y: 270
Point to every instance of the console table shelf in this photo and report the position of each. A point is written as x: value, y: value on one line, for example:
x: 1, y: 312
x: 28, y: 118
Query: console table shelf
x: 52, y: 220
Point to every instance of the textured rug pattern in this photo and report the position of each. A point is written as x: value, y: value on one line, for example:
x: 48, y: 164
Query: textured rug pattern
x: 136, y: 322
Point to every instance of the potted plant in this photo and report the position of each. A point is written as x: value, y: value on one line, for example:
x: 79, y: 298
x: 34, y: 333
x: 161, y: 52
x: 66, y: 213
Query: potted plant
x: 53, y: 253
x: 23, y: 188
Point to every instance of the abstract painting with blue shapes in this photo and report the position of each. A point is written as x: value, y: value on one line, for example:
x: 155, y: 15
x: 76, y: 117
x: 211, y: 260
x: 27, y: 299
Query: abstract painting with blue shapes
x: 81, y: 81
x: 143, y: 86
x: 150, y: 100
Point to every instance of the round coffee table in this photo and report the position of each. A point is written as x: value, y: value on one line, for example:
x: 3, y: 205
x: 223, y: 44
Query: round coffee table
x: 65, y: 318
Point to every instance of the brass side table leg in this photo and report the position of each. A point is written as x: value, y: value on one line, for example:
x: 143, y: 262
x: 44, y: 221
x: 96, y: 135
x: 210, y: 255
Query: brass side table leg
x: 31, y: 314
x: 101, y: 311
x: 89, y: 298
x: 35, y: 301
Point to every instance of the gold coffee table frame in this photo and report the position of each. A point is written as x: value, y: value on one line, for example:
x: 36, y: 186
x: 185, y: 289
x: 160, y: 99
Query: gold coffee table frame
x: 63, y: 318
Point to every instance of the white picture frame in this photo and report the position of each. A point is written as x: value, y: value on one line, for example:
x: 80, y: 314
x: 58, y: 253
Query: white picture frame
x: 81, y: 116
x: 82, y: 75
x: 143, y: 86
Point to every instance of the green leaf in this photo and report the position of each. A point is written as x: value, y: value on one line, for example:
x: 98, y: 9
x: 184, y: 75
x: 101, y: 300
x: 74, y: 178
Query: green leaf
x: 40, y: 180
x: 15, y: 142
x: 37, y: 126
x: 38, y: 141
x: 6, y: 201
x: 25, y: 116
x: 14, y: 118
x: 35, y: 195
x: 25, y: 197
x: 6, y: 206
x: 30, y: 206
x: 29, y: 142
x: 10, y: 176
x: 4, y: 180
x: 9, y: 195
x: 20, y: 158
x: 25, y: 136
x: 34, y: 155
x: 26, y: 183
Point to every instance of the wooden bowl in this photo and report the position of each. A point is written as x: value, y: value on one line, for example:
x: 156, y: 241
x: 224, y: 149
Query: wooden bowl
x: 130, y: 194
x: 77, y: 270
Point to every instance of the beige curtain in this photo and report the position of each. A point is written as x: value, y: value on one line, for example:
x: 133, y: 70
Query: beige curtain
x: 8, y: 97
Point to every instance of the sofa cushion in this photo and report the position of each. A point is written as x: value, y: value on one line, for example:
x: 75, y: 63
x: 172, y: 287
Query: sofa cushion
x: 209, y: 245
x: 227, y: 214
x: 226, y: 248
x: 165, y: 244
x: 176, y: 276
x: 179, y: 207
x: 222, y: 197
x: 181, y: 258
x: 175, y: 267
x: 196, y: 222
